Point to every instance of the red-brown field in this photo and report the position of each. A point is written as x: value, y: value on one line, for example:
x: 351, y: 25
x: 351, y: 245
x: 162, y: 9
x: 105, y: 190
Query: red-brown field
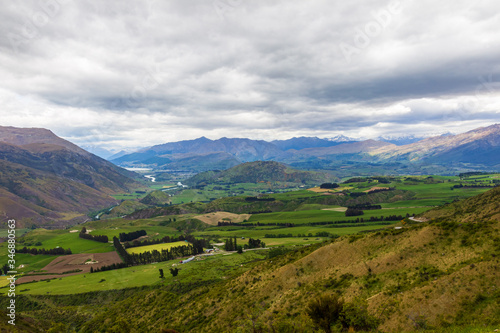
x: 70, y: 263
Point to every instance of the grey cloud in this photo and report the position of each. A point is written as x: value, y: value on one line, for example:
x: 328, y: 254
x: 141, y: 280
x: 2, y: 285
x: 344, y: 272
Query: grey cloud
x: 205, y: 67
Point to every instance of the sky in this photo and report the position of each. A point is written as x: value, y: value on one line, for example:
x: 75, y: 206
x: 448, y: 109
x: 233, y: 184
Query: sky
x: 128, y: 74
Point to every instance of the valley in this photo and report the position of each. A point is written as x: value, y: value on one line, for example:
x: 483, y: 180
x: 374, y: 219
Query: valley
x: 182, y: 248
x: 292, y: 221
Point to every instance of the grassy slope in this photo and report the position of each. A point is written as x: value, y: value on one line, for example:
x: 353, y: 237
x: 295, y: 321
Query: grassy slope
x: 425, y: 275
x: 403, y: 276
x: 467, y: 210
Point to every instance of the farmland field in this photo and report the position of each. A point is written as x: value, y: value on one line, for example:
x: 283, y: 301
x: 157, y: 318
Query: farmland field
x: 302, y: 209
x: 157, y: 247
x: 203, y: 269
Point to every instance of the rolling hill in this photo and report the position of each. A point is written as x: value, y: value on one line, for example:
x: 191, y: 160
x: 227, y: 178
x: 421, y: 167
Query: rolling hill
x: 259, y: 171
x: 48, y: 181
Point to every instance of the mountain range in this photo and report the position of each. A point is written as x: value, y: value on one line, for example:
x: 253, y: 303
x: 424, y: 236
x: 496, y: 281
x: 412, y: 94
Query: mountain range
x: 48, y: 181
x: 474, y: 150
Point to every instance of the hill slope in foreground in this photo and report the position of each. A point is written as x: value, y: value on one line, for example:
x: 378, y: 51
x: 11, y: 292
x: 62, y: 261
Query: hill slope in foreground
x: 437, y: 275
x: 48, y: 181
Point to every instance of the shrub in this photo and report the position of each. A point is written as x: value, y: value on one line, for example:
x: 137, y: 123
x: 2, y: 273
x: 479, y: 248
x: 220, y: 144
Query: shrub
x: 325, y: 311
x: 357, y: 316
x: 329, y: 310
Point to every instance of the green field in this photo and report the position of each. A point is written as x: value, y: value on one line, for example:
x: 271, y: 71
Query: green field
x: 314, y: 216
x: 214, y: 267
x: 309, y: 231
x: 63, y: 238
x: 3, y: 281
x: 19, y: 232
x: 157, y: 247
x: 211, y: 192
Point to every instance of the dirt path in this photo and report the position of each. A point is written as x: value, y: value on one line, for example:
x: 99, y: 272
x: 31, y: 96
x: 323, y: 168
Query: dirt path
x: 338, y: 209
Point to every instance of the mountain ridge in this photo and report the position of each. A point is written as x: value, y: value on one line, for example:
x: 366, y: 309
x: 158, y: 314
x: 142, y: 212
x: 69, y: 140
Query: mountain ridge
x: 478, y: 149
x: 53, y: 183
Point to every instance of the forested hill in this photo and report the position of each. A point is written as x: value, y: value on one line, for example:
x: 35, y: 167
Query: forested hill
x: 259, y: 171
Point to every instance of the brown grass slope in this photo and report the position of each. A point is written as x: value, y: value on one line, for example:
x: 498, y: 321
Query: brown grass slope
x: 427, y: 276
x: 409, y: 280
x: 49, y: 184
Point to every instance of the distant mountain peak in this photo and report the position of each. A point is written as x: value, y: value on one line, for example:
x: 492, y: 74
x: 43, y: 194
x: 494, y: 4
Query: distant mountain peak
x: 341, y: 138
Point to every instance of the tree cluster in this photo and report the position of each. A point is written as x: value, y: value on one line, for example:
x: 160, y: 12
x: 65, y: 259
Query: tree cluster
x: 54, y: 251
x: 199, y: 243
x: 130, y: 236
x: 365, y: 206
x: 230, y: 244
x: 381, y: 190
x: 108, y: 267
x: 356, y: 180
x: 120, y: 249
x: 318, y: 234
x: 254, y: 244
x: 254, y: 199
x: 260, y: 212
x: 278, y: 224
x: 163, y: 255
x: 353, y: 212
x: 97, y: 238
x: 148, y: 257
x: 329, y: 185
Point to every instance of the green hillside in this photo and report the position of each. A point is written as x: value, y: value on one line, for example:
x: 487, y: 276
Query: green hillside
x: 484, y: 207
x: 156, y: 198
x: 259, y: 171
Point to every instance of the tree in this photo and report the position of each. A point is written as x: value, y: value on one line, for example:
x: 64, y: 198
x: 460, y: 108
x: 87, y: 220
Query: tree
x: 174, y: 271
x: 5, y: 269
x: 240, y: 249
x: 161, y: 274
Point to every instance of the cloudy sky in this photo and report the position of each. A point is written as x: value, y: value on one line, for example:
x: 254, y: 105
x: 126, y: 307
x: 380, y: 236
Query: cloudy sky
x: 126, y: 74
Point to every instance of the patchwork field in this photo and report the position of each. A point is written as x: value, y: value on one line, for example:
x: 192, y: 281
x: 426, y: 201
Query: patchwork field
x: 205, y: 268
x: 73, y: 264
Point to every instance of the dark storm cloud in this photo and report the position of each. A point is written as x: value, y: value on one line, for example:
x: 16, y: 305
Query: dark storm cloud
x: 133, y: 73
